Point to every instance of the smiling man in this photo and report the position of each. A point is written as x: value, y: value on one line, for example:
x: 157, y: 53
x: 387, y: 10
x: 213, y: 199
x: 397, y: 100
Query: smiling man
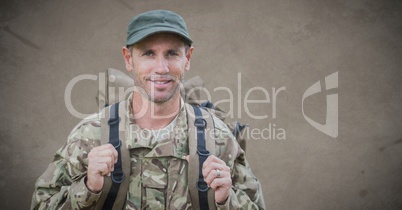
x: 158, y: 53
x: 158, y: 63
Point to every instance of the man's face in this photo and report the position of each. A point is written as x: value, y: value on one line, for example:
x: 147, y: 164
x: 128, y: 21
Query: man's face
x: 158, y: 63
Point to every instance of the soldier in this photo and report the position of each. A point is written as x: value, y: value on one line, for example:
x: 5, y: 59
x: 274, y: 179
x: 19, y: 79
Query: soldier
x: 157, y: 52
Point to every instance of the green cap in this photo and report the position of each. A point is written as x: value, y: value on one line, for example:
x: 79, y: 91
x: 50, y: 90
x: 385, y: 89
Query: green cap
x: 156, y: 21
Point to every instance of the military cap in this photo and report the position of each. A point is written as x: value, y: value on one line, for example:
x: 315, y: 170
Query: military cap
x: 156, y: 21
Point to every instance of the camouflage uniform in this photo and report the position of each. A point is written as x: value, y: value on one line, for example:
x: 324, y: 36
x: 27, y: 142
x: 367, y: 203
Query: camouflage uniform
x: 158, y: 177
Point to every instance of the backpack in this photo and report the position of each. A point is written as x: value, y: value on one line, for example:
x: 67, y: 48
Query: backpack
x: 112, y: 84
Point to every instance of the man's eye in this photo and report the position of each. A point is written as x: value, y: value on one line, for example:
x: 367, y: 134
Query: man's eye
x: 148, y: 54
x: 173, y: 53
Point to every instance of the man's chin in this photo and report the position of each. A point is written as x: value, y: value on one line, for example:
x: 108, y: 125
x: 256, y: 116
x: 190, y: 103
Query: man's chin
x: 161, y: 99
x: 163, y: 96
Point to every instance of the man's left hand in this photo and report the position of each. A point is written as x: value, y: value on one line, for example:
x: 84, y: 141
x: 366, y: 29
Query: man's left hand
x: 217, y: 176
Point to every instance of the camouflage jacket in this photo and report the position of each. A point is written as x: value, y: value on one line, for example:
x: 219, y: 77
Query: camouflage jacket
x: 158, y: 178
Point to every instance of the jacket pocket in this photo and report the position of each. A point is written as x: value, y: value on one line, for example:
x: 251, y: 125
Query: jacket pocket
x: 155, y: 181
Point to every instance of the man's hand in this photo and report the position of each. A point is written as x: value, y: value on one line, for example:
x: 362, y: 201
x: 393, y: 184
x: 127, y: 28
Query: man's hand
x: 101, y: 162
x: 217, y: 176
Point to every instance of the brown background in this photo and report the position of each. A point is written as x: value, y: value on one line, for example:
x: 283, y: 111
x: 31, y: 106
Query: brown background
x: 278, y: 43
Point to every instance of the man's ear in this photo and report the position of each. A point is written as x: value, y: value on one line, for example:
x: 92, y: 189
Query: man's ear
x: 128, y: 59
x: 188, y: 57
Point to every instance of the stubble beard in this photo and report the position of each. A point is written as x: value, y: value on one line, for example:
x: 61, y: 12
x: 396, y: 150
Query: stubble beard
x: 150, y: 93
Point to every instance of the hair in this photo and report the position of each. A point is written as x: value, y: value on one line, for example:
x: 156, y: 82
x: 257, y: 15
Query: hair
x: 186, y: 48
x: 187, y: 45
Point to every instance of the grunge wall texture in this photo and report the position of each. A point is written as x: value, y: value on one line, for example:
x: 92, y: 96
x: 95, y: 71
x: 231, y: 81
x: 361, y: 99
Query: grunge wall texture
x: 272, y: 44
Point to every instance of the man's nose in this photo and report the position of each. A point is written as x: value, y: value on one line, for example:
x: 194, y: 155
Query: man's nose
x: 162, y: 65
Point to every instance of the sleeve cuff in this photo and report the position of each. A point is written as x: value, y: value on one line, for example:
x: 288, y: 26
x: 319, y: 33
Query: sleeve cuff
x: 82, y: 195
x: 223, y: 206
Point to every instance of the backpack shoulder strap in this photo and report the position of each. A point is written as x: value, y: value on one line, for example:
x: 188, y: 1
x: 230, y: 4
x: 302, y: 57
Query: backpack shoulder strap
x: 115, y: 188
x: 200, y: 129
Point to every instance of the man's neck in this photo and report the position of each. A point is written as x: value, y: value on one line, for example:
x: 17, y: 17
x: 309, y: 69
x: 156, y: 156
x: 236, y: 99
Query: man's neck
x: 151, y: 115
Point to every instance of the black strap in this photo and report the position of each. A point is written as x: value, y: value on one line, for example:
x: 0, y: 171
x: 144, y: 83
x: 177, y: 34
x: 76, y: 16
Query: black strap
x: 117, y: 175
x: 203, y: 154
x: 238, y: 128
x: 208, y: 104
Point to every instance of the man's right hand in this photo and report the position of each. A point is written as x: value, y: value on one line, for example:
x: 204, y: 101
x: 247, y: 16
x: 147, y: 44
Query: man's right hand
x: 101, y: 162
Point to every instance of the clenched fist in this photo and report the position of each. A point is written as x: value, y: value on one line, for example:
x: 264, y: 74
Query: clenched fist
x: 101, y: 162
x: 217, y: 176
